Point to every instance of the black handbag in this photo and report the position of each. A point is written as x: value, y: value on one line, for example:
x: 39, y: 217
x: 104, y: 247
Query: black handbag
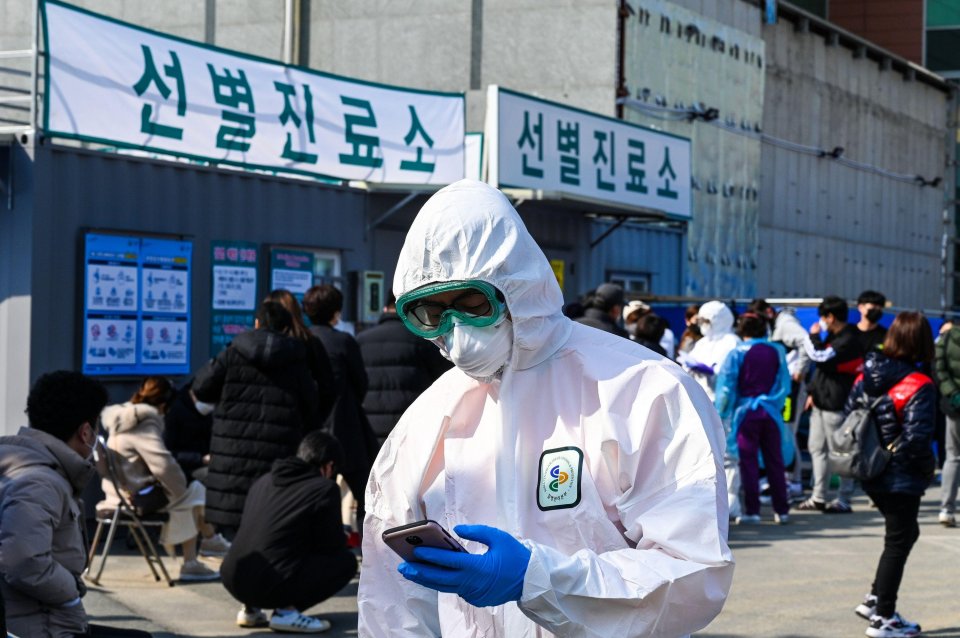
x: 149, y: 500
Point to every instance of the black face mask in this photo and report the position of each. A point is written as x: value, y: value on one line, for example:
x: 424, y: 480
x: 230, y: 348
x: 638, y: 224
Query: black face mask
x: 873, y: 315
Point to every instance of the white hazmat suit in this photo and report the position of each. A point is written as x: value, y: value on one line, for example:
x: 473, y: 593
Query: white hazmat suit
x: 633, y: 543
x: 718, y: 341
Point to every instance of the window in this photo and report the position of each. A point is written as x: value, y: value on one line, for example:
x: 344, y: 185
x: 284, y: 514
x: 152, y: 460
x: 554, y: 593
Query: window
x: 943, y: 13
x: 637, y: 283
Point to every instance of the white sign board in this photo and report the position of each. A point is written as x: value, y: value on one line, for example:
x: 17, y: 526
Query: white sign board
x: 115, y: 83
x: 547, y: 146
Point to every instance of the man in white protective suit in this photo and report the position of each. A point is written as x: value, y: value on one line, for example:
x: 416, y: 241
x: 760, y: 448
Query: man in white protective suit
x: 704, y: 362
x: 581, y: 471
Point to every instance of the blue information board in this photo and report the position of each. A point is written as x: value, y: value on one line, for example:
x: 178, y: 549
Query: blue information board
x: 136, y: 305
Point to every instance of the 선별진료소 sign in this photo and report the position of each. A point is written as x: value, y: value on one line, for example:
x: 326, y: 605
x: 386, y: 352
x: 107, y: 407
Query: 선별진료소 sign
x: 115, y: 83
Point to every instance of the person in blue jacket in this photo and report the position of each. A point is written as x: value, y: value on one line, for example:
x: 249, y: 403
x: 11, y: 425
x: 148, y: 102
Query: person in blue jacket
x: 752, y: 385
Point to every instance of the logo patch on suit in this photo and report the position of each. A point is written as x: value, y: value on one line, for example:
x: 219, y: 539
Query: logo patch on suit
x: 558, y: 485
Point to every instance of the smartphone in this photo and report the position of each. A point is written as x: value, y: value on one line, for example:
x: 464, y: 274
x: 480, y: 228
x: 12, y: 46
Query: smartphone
x: 425, y: 533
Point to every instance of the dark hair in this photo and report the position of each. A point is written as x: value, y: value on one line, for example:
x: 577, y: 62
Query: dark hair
x: 759, y: 306
x: 60, y: 402
x: 273, y: 316
x: 319, y: 448
x: 691, y: 312
x: 286, y: 299
x: 751, y: 325
x: 155, y: 391
x: 650, y: 327
x: 872, y: 296
x: 321, y: 303
x: 909, y: 338
x: 391, y: 300
x: 833, y: 305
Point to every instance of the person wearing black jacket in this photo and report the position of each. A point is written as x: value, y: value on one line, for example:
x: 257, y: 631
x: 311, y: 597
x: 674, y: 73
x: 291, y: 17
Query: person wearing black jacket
x: 265, y: 401
x: 838, y: 357
x: 347, y: 422
x: 290, y: 552
x: 186, y: 432
x: 400, y: 366
x: 905, y: 419
x: 603, y: 310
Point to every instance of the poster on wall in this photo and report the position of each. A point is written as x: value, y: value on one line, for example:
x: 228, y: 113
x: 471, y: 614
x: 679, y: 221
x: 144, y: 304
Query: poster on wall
x: 291, y: 270
x: 136, y: 305
x: 234, y: 291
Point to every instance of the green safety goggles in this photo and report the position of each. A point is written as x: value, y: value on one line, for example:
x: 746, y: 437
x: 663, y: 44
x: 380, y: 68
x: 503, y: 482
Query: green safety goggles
x: 478, y: 304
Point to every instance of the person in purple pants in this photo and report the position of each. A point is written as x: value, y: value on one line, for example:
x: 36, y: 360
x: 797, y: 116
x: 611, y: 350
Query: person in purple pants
x: 752, y: 385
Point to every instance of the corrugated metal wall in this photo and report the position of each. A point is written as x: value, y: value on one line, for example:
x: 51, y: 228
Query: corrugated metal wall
x: 78, y: 189
x: 830, y: 229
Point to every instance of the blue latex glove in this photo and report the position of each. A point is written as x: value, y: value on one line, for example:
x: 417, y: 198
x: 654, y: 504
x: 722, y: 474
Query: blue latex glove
x: 702, y: 368
x: 483, y: 580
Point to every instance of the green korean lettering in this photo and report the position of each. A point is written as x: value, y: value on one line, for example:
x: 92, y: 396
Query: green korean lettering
x: 568, y: 145
x: 289, y: 114
x: 600, y: 157
x: 667, y: 170
x: 152, y: 77
x: 369, y: 143
x: 416, y: 128
x: 636, y: 159
x: 527, y: 138
x: 233, y: 91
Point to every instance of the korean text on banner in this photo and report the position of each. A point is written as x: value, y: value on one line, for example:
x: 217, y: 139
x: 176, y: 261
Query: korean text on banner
x: 547, y: 146
x: 114, y: 83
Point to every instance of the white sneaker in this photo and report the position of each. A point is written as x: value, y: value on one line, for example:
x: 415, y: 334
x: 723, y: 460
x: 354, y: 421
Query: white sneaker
x: 947, y: 519
x: 216, y: 545
x: 748, y: 519
x: 868, y: 608
x: 252, y: 617
x: 781, y: 519
x: 196, y: 572
x: 296, y: 623
x: 894, y: 627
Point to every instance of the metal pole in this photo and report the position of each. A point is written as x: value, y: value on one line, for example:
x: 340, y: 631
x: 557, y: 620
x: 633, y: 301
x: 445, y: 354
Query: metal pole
x: 288, y: 31
x: 34, y: 70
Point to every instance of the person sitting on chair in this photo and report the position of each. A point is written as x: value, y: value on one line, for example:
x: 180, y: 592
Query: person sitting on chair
x: 135, y: 438
x: 290, y: 552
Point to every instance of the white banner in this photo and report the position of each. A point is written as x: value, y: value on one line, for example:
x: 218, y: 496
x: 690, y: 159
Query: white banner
x: 115, y: 83
x: 546, y: 146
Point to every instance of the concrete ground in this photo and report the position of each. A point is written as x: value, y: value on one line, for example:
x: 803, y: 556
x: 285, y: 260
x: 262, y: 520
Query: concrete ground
x: 798, y: 581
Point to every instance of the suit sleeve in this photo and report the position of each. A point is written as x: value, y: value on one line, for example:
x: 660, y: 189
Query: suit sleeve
x: 675, y: 577
x: 918, y: 418
x: 208, y: 383
x: 322, y: 372
x: 356, y: 372
x: 945, y: 376
x: 151, y: 448
x: 30, y: 511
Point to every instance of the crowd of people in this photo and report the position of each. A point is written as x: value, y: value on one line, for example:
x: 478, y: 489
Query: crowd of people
x: 587, y: 456
x: 760, y: 367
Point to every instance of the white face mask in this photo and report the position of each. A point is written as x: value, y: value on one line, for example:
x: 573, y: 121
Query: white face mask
x: 706, y: 329
x: 480, y: 352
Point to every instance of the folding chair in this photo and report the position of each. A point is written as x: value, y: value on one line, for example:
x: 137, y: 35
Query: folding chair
x: 124, y: 515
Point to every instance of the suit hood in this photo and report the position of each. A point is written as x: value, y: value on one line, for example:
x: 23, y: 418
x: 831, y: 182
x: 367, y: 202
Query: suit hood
x: 469, y: 231
x: 33, y: 447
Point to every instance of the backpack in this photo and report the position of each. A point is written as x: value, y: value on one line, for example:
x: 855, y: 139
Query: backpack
x: 856, y: 450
